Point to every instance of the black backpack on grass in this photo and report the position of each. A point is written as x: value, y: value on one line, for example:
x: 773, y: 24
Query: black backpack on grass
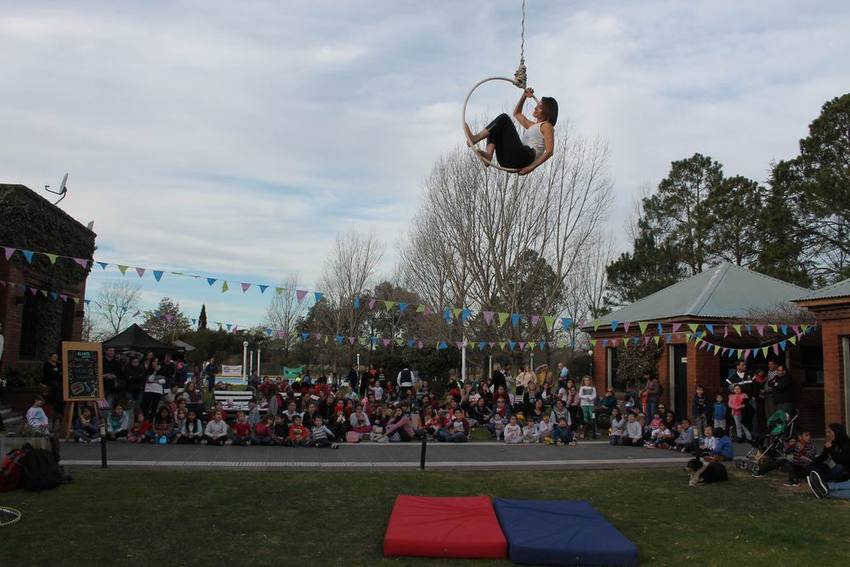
x: 40, y: 470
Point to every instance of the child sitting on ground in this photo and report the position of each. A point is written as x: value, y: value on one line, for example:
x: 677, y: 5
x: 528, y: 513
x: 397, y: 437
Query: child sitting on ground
x: 634, y: 432
x: 280, y: 433
x: 215, y: 432
x: 707, y: 442
x: 529, y: 432
x: 513, y: 432
x: 802, y: 451
x: 456, y: 430
x: 241, y: 431
x: 192, y: 430
x: 661, y: 436
x: 299, y: 436
x: 320, y: 435
x: 562, y: 433
x: 544, y: 430
x: 163, y: 427
x: 86, y: 427
x: 618, y: 428
x: 264, y: 431
x: 117, y: 424
x: 722, y: 447
x: 141, y: 426
x: 36, y: 418
x: 686, y: 441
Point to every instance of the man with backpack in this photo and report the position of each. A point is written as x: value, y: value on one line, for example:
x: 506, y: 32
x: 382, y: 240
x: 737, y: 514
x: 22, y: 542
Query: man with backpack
x: 405, y: 380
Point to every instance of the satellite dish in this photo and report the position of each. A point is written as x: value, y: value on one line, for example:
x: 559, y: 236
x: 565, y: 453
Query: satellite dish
x: 63, y: 189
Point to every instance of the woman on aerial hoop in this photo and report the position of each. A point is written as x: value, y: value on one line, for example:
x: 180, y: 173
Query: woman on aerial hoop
x: 523, y: 154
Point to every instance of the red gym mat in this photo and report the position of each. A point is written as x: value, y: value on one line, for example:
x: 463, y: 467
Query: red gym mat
x: 464, y: 527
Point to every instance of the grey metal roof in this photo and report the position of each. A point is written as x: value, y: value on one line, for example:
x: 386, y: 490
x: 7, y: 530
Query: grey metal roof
x: 725, y: 291
x: 840, y: 289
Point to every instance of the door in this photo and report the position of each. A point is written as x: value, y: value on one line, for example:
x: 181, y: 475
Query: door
x: 680, y: 380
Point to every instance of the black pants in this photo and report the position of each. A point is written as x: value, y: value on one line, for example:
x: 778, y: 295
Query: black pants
x: 510, y: 150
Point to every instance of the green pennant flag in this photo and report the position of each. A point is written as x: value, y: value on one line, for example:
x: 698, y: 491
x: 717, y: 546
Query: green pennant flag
x: 764, y: 351
x: 399, y: 342
x: 804, y: 328
x: 774, y: 327
x: 596, y: 324
x: 643, y: 325
x: 502, y: 345
x: 688, y: 336
x: 325, y: 338
x: 76, y: 300
x: 657, y: 339
x: 280, y: 290
x: 792, y: 339
x: 420, y: 308
x: 363, y: 341
x: 51, y: 257
x: 716, y: 349
x: 737, y: 329
x: 549, y: 320
x: 503, y: 317
x: 593, y: 342
x: 388, y: 305
x: 693, y: 327
x: 224, y: 287
x: 123, y: 269
x: 43, y: 292
x: 456, y: 311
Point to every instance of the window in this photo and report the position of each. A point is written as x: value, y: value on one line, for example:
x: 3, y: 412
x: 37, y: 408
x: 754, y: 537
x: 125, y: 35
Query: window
x: 613, y: 378
x: 811, y: 365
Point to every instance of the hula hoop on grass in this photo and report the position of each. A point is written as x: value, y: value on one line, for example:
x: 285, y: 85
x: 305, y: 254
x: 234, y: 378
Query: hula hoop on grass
x: 472, y: 146
x: 9, y: 516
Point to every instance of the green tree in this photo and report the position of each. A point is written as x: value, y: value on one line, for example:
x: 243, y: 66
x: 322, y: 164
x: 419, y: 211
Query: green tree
x: 167, y: 322
x: 734, y: 207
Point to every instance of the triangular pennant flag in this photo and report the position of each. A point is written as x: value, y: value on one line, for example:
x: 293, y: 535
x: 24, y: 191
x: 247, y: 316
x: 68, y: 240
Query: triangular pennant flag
x: 566, y: 323
x: 460, y: 345
x: 657, y: 339
x: 776, y: 348
x: 521, y: 345
x: 356, y: 302
x: 340, y: 339
x: 279, y: 290
x: 710, y: 328
x: 8, y: 252
x: 502, y: 345
x: 372, y: 304
x: 54, y: 295
x: 263, y: 287
x: 660, y: 328
x: 783, y: 344
x: 387, y: 342
x: 33, y: 290
x: 535, y: 319
x: 388, y: 305
x: 642, y: 326
x: 723, y: 353
x: 300, y: 294
x: 774, y: 327
x: 749, y: 329
x: 140, y: 271
x: 420, y: 308
x: 604, y: 343
x: 63, y: 296
x: 122, y: 269
x: 614, y: 325
x: 676, y: 327
x: 515, y: 318
x: 784, y: 329
x: 549, y: 321
x: 592, y: 342
x: 305, y: 337
x: 456, y: 311
x: 488, y: 316
x: 211, y: 281
x: 792, y: 339
x: 542, y: 345
x: 51, y: 257
x: 503, y: 317
x: 760, y: 329
x: 402, y: 307
x: 465, y: 314
x: 596, y: 324
x: 693, y: 327
x: 157, y: 275
x: 805, y: 328
x: 411, y: 343
x: 737, y: 329
x: 725, y: 331
x: 43, y: 292
x: 626, y: 325
x: 317, y: 296
x: 511, y: 345
x: 224, y: 287
x: 245, y: 286
x: 169, y: 317
x: 28, y: 254
x: 764, y: 351
x: 228, y: 325
x: 103, y: 265
x: 447, y: 314
x: 795, y: 328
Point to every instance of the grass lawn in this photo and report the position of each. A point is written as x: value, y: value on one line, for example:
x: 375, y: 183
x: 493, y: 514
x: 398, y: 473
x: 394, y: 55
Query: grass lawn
x: 253, y: 517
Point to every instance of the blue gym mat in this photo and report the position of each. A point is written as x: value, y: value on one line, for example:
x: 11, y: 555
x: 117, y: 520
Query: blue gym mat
x: 561, y: 532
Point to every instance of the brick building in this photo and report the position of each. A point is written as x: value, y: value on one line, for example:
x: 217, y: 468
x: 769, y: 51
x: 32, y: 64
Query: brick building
x: 41, y: 298
x: 714, y: 303
x: 831, y: 306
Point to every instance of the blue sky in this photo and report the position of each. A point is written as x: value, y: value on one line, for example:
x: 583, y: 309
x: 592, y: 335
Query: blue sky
x: 236, y: 140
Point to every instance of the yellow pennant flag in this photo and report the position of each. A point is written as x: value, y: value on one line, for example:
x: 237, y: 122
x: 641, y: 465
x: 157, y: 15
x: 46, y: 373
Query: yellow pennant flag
x: 804, y: 328
x: 792, y: 339
x: 657, y: 339
x: 51, y: 257
x: 764, y: 351
x: 280, y: 290
x: 775, y: 327
x: 123, y: 269
x: 224, y: 287
x: 693, y: 327
x: 596, y: 324
x: 737, y: 329
x: 643, y: 325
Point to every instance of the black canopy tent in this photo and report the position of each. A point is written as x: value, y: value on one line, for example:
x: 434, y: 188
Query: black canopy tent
x: 136, y: 339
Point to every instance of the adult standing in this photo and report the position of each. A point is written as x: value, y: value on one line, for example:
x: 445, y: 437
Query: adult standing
x: 523, y: 379
x: 405, y: 380
x: 51, y: 379
x: 783, y: 390
x: 563, y: 375
x: 769, y: 406
x: 113, y: 376
x: 134, y: 375
x: 653, y: 394
x: 211, y: 369
x: 498, y: 379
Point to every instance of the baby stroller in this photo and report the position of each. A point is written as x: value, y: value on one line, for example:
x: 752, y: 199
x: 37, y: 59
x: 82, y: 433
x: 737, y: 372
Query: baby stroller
x: 770, y: 447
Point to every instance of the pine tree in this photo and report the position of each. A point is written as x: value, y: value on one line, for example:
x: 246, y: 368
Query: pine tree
x: 202, y: 318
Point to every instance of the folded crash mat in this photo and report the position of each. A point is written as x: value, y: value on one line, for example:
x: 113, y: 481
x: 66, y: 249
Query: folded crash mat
x: 426, y: 526
x: 561, y: 532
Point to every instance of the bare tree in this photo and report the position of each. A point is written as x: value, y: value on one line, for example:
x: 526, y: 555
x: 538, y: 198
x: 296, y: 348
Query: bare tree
x: 115, y: 305
x: 285, y: 312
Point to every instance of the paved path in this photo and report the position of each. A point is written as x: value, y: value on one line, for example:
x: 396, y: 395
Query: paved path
x: 368, y: 456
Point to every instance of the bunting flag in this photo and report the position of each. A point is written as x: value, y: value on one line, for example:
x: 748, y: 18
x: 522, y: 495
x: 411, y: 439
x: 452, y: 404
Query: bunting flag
x: 642, y: 325
x: 157, y: 275
x: 224, y: 287
x: 300, y: 294
x: 402, y: 307
x: 566, y: 323
x: 549, y: 321
x: 614, y: 325
x: 245, y: 286
x: 317, y: 296
x: 388, y: 305
x: 211, y: 281
x: 263, y: 287
x: 123, y: 269
x: 626, y: 325
x: 676, y: 327
x: 488, y: 317
x: 356, y: 302
x: 372, y: 304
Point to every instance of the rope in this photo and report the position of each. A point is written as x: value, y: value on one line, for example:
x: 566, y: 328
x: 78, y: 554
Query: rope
x: 521, y: 74
x: 12, y: 512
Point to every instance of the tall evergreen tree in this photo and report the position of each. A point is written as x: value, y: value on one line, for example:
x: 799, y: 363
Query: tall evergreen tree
x: 202, y: 318
x: 734, y: 208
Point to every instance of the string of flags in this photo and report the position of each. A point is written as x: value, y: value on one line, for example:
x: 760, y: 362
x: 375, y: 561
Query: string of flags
x: 698, y: 337
x: 51, y: 295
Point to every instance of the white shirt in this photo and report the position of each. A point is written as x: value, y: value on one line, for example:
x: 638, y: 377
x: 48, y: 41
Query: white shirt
x: 533, y: 138
x: 2, y: 342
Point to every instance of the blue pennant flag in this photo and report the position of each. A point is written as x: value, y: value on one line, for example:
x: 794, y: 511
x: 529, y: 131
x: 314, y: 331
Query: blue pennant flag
x: 28, y: 255
x: 402, y: 307
x: 465, y: 314
x: 566, y: 322
x: 784, y: 329
x: 481, y: 345
x: 374, y: 340
x: 339, y: 339
x: 194, y: 321
x: 604, y: 342
x: 515, y: 317
x: 710, y: 328
x: 318, y: 296
x: 614, y: 325
x: 357, y: 302
x: 54, y: 295
x: 411, y: 343
x: 269, y: 332
x: 660, y: 329
x: 87, y: 301
x: 305, y: 337
x: 542, y: 345
x: 263, y: 287
x: 157, y: 274
x: 442, y: 346
x: 229, y: 325
x: 103, y: 264
x: 211, y: 281
x: 447, y: 314
x: 511, y: 345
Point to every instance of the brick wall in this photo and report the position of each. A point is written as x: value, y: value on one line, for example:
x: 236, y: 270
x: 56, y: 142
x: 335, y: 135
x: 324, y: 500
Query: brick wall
x: 833, y: 330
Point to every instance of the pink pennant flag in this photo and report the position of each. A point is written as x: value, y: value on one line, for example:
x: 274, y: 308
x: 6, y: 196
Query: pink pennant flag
x: 776, y: 348
x: 676, y: 327
x: 8, y: 252
x: 426, y: 312
x: 318, y: 336
x: 33, y: 291
x: 279, y: 334
x: 419, y: 344
x: 300, y: 294
x: 760, y: 329
x: 534, y: 320
x: 723, y: 352
x: 246, y: 286
x: 521, y: 345
x: 140, y: 271
x: 63, y: 297
x: 386, y: 342
x: 82, y: 262
x: 351, y: 340
x: 372, y: 303
x: 460, y: 345
x: 626, y: 325
x: 796, y: 328
x: 646, y: 339
x: 747, y: 353
x: 615, y: 342
x: 725, y: 332
x: 491, y: 344
x: 582, y: 322
x: 488, y: 316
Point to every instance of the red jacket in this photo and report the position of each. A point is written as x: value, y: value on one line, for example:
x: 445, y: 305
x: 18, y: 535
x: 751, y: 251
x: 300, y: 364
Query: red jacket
x: 242, y: 429
x: 262, y: 429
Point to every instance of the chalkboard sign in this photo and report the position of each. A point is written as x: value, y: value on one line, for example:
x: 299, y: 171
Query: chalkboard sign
x: 82, y: 371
